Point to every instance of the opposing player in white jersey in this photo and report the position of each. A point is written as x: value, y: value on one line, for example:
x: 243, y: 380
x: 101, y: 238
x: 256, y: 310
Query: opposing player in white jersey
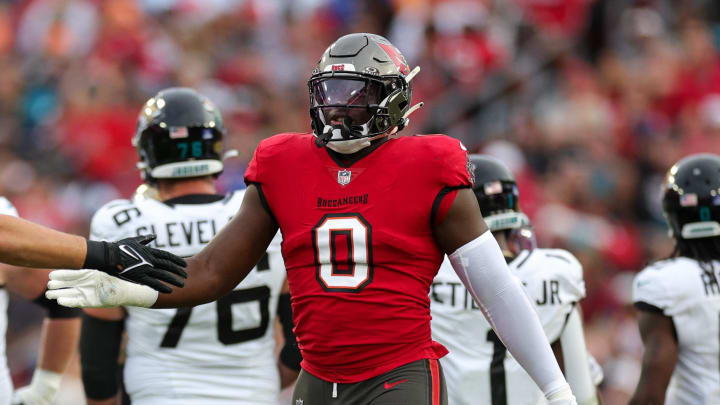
x: 216, y: 353
x: 483, y: 372
x: 678, y: 299
x: 61, y: 330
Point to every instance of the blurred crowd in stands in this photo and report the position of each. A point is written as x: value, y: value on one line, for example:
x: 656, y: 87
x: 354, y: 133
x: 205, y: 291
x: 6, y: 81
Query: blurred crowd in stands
x: 588, y: 101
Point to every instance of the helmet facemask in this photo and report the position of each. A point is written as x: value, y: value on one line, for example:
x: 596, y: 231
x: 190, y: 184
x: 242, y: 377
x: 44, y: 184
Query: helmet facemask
x: 359, y: 91
x: 352, y: 108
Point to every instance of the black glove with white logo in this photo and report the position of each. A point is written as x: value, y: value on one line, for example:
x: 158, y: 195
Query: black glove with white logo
x: 130, y: 259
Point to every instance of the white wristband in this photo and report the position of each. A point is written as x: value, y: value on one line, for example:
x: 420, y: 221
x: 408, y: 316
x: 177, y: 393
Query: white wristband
x: 562, y: 395
x: 46, y: 383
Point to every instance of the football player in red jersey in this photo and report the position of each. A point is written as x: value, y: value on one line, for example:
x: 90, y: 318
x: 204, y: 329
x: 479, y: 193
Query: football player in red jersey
x: 366, y: 218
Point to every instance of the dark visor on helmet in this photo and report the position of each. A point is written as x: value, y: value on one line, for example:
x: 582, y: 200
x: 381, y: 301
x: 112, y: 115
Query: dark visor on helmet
x: 338, y: 98
x: 173, y: 144
x: 336, y: 91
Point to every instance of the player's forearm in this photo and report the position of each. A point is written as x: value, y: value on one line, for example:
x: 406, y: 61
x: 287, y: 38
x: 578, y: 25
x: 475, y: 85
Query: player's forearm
x: 59, y: 340
x: 648, y: 396
x: 23, y: 243
x: 482, y: 268
x: 653, y: 384
x: 228, y: 258
x: 204, y: 284
x: 287, y: 375
x: 659, y: 359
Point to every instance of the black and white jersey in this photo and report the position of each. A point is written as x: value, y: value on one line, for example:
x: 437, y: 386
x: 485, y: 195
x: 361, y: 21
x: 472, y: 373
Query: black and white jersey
x: 479, y: 370
x: 217, y: 353
x: 681, y: 289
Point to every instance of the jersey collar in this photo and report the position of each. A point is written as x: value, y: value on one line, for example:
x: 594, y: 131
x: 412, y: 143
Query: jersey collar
x: 192, y: 199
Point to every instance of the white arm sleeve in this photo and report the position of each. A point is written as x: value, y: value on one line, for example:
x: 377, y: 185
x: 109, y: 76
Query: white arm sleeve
x: 482, y: 269
x: 577, y: 363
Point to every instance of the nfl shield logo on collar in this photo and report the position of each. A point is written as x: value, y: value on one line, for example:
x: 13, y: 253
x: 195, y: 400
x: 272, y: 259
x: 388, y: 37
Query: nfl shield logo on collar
x: 344, y: 177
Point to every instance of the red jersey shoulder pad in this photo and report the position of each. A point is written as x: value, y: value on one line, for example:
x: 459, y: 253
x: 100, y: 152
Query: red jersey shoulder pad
x: 283, y: 140
x: 436, y: 144
x: 272, y: 148
x: 447, y: 155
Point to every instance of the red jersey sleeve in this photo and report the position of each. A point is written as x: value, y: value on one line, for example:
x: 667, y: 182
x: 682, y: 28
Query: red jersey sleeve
x: 252, y: 173
x: 266, y: 162
x: 456, y: 173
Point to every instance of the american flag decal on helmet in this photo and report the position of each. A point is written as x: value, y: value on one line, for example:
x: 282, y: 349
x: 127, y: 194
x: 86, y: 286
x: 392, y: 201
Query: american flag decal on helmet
x: 178, y: 132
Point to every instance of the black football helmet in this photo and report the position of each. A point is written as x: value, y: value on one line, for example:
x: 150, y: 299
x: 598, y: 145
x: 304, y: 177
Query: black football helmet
x: 691, y: 202
x: 497, y: 193
x: 179, y: 134
x: 360, y: 88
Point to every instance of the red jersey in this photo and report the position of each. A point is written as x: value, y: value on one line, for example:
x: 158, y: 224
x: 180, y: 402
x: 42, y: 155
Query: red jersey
x: 358, y: 246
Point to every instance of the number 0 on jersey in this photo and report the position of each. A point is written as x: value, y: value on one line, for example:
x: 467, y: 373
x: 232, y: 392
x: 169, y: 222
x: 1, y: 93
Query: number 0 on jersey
x: 343, y: 252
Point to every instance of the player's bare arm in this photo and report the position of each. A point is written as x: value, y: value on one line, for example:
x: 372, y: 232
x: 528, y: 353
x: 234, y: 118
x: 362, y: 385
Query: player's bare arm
x: 229, y: 257
x: 214, y: 272
x: 462, y: 223
x: 478, y: 261
x: 23, y: 243
x: 661, y: 352
x: 60, y: 331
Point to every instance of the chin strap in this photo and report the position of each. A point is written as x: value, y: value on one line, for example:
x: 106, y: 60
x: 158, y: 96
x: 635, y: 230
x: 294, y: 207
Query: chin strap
x: 323, y: 139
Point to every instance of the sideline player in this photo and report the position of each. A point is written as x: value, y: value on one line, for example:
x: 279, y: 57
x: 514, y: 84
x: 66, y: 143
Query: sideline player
x: 481, y: 371
x: 23, y: 243
x: 60, y: 331
x: 216, y: 353
x: 366, y: 220
x: 678, y: 299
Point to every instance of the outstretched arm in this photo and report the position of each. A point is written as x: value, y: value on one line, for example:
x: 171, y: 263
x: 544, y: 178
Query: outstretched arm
x: 23, y: 243
x: 229, y: 257
x: 212, y: 273
x: 478, y: 261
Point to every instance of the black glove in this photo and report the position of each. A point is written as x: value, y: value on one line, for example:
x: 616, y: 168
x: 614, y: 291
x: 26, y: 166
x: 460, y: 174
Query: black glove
x: 131, y: 260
